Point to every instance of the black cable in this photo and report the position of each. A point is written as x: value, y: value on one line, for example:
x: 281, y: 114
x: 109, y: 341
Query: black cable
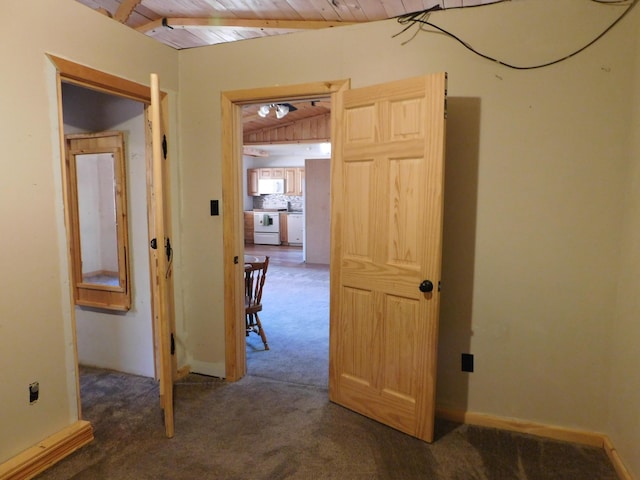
x: 421, y: 18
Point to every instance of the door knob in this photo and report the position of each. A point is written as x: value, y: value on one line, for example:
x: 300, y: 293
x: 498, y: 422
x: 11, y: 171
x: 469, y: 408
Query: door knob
x: 426, y: 286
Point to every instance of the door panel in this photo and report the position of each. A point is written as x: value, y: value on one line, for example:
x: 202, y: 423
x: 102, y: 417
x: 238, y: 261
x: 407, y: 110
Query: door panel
x: 161, y: 259
x: 386, y: 231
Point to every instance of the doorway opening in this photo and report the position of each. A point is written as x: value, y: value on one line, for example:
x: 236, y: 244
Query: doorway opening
x: 133, y: 115
x: 293, y: 149
x: 120, y: 341
x: 234, y: 184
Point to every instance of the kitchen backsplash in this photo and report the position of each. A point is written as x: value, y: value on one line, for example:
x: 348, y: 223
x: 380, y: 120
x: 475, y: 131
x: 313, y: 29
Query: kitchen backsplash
x: 295, y: 203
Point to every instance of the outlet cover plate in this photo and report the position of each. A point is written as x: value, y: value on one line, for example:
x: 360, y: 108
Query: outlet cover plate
x: 467, y: 362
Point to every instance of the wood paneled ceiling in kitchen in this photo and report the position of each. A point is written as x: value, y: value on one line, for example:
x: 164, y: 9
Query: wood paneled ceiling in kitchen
x: 196, y: 23
x: 308, y: 121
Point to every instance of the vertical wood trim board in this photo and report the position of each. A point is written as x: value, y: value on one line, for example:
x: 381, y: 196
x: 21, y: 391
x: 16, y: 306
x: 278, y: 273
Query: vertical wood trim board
x: 612, y: 453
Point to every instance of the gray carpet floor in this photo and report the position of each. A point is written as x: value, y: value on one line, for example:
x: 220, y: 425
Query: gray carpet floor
x: 277, y: 422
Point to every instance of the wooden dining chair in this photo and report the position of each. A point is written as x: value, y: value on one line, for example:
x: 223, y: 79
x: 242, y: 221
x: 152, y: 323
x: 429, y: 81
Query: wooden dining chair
x: 255, y: 274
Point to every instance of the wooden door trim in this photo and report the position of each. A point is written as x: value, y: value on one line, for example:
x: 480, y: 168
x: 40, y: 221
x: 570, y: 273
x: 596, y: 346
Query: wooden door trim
x: 71, y: 72
x: 233, y: 240
x: 95, y: 79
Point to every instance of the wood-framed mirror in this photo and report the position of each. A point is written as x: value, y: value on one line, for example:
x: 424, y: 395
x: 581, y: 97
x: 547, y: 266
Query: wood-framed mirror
x: 98, y: 219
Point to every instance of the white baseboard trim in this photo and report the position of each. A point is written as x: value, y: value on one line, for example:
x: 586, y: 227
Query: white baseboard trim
x: 582, y: 437
x: 38, y: 458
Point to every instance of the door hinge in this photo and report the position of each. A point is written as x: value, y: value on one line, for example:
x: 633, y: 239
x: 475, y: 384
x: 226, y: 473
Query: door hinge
x: 164, y: 146
x: 173, y: 345
x: 167, y: 249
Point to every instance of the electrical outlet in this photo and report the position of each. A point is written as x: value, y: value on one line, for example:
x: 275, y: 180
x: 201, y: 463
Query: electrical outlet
x: 34, y: 392
x: 467, y: 362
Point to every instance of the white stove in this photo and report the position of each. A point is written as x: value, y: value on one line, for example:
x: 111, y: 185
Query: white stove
x: 266, y: 228
x: 266, y: 222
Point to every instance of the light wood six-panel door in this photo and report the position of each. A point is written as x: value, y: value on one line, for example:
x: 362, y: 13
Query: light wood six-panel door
x: 387, y: 203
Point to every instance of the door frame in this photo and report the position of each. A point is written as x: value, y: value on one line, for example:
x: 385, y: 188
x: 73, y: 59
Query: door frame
x: 87, y: 77
x: 232, y: 205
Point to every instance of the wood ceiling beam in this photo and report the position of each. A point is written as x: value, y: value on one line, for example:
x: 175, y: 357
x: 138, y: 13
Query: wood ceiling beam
x: 239, y: 23
x: 254, y: 152
x: 125, y: 10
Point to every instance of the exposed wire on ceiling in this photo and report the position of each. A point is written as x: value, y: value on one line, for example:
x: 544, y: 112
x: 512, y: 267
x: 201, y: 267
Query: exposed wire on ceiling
x: 421, y: 20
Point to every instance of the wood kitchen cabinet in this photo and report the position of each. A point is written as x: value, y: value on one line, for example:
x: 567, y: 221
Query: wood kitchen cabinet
x: 283, y: 228
x: 248, y: 228
x: 294, y: 180
x: 252, y: 181
x: 276, y: 172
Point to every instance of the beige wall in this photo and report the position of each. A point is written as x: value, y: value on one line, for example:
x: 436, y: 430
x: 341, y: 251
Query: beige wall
x: 537, y: 168
x: 624, y: 386
x: 540, y: 264
x: 35, y: 315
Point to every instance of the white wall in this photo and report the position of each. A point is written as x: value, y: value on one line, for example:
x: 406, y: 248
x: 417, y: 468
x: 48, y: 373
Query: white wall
x: 540, y: 259
x: 120, y: 341
x: 537, y: 166
x: 36, y: 341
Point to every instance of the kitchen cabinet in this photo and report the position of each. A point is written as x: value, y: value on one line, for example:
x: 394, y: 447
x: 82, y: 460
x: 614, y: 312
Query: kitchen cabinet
x: 294, y: 180
x: 295, y: 229
x: 252, y: 181
x: 248, y: 228
x: 293, y: 176
x: 276, y: 172
x: 284, y: 236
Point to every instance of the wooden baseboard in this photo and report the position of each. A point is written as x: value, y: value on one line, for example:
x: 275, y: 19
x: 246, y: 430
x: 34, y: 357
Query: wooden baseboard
x: 38, y: 458
x: 182, y: 372
x: 612, y: 453
x: 547, y: 431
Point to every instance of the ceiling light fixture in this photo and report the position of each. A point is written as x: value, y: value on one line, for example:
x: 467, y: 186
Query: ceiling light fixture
x: 263, y: 111
x: 281, y: 109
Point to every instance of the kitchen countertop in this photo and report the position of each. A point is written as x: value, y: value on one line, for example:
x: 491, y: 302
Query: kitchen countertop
x: 270, y: 210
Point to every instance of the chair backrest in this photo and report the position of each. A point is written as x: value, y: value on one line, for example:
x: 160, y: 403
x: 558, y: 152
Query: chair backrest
x: 255, y: 275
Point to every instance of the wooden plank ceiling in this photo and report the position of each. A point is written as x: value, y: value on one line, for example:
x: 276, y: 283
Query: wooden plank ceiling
x: 185, y: 24
x: 308, y: 121
x: 196, y: 23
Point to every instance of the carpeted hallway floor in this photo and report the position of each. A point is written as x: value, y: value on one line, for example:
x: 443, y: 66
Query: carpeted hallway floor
x: 277, y: 422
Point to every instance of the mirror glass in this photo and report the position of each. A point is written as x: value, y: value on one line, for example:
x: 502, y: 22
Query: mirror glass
x: 98, y: 219
x: 95, y: 177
